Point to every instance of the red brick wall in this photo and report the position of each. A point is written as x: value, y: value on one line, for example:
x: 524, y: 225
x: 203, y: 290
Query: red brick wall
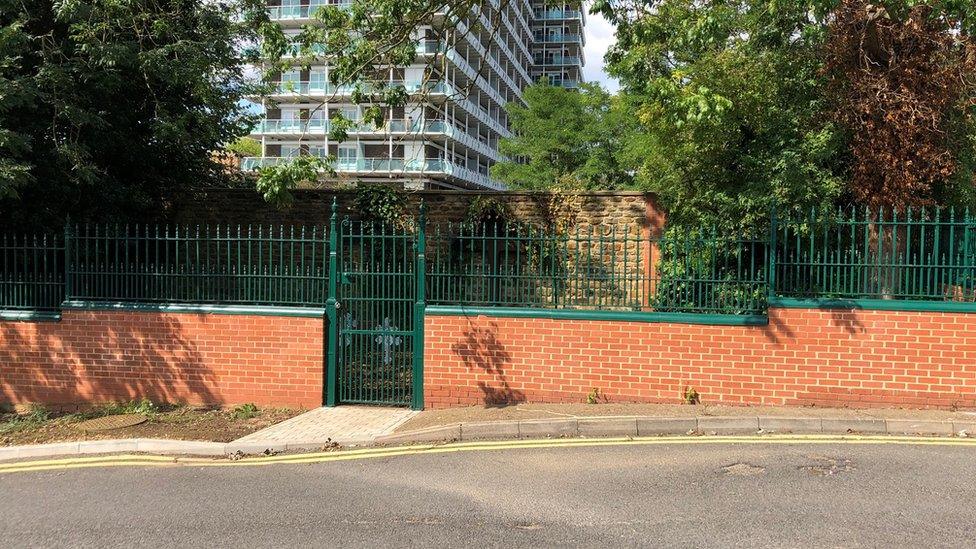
x: 94, y: 356
x: 804, y: 356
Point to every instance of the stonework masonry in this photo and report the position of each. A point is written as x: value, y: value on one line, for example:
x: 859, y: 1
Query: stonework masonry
x: 313, y: 207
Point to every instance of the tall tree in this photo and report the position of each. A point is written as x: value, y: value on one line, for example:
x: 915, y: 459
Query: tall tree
x: 563, y: 137
x: 730, y: 98
x: 903, y: 84
x: 797, y: 103
x: 111, y: 109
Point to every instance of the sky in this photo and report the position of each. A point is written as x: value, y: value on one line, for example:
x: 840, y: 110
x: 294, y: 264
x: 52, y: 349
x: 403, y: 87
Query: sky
x: 599, y: 37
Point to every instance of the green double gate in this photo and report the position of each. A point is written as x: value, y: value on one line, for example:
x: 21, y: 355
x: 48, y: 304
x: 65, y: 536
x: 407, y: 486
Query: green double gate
x: 375, y: 315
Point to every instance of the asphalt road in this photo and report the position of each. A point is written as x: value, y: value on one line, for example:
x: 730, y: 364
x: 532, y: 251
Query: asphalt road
x: 678, y: 496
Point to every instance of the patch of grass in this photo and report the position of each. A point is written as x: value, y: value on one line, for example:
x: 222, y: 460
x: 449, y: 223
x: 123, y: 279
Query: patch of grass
x: 143, y: 406
x: 244, y: 411
x: 35, y: 416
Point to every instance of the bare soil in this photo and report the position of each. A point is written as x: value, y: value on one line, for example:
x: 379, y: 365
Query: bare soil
x: 477, y: 414
x: 183, y: 423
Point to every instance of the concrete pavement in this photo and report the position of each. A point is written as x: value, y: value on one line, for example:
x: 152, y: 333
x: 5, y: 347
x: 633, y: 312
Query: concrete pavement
x: 706, y: 495
x: 363, y: 426
x: 347, y: 425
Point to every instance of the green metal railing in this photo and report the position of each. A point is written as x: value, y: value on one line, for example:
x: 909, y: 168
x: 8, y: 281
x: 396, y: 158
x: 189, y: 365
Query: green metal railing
x: 31, y: 272
x: 917, y: 255
x: 594, y: 268
x: 211, y: 264
x: 921, y: 254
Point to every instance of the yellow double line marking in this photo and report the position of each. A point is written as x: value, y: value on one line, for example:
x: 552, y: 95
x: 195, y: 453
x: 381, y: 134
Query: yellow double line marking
x: 133, y: 460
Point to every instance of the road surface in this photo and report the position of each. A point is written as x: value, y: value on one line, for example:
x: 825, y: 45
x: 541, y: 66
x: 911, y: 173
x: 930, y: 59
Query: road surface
x: 714, y: 495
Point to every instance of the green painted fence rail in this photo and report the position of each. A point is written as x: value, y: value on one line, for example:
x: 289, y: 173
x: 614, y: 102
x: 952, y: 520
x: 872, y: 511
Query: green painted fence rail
x: 914, y: 254
x: 31, y: 272
x: 595, y: 268
x: 209, y: 264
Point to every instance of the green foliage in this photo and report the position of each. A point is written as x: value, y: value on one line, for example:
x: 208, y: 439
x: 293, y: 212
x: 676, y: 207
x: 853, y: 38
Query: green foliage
x: 113, y: 109
x: 36, y: 415
x: 382, y: 204
x: 691, y: 396
x: 593, y: 397
x: 706, y: 272
x: 566, y: 134
x: 244, y: 411
x: 276, y: 182
x: 244, y: 146
x: 142, y: 406
x: 487, y: 210
x: 730, y: 99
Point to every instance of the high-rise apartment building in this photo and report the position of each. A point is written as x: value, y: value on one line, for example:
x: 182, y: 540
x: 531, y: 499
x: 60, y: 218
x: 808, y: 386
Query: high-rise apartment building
x: 447, y: 134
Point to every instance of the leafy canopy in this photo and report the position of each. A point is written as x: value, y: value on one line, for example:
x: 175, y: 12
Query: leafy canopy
x: 729, y: 96
x: 562, y: 135
x: 112, y: 108
x: 742, y: 103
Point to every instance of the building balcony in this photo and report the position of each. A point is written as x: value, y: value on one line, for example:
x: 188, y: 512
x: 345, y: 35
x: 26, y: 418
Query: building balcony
x: 559, y: 38
x: 559, y: 60
x: 432, y: 128
x: 554, y: 80
x: 302, y: 13
x: 390, y: 166
x: 319, y: 89
x: 557, y: 14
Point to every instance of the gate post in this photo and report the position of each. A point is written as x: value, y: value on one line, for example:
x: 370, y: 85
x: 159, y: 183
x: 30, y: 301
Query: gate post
x: 771, y: 256
x: 331, y: 310
x: 420, y: 272
x: 66, y: 268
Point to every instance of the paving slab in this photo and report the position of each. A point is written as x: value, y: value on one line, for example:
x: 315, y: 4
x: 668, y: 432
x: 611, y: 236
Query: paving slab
x: 490, y: 429
x: 607, y: 427
x: 39, y: 450
x: 649, y: 426
x: 548, y: 428
x: 791, y: 424
x: 918, y: 427
x: 342, y: 424
x: 968, y: 426
x: 192, y: 447
x: 255, y: 447
x: 728, y: 425
x: 854, y: 425
x: 432, y: 434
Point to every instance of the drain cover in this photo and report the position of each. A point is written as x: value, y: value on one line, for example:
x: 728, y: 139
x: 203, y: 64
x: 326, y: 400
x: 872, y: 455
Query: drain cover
x: 108, y: 423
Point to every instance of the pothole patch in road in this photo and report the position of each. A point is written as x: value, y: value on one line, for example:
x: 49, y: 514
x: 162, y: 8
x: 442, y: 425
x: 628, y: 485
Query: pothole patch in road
x: 743, y: 470
x: 825, y: 466
x: 528, y: 526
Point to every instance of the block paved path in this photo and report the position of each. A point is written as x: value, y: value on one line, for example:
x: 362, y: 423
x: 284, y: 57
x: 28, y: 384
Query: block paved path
x: 342, y: 424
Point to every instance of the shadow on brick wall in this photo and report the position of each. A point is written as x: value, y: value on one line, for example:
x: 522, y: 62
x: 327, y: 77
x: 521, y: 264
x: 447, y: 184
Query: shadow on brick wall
x: 80, y: 361
x: 847, y: 319
x: 776, y: 329
x: 481, y: 350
